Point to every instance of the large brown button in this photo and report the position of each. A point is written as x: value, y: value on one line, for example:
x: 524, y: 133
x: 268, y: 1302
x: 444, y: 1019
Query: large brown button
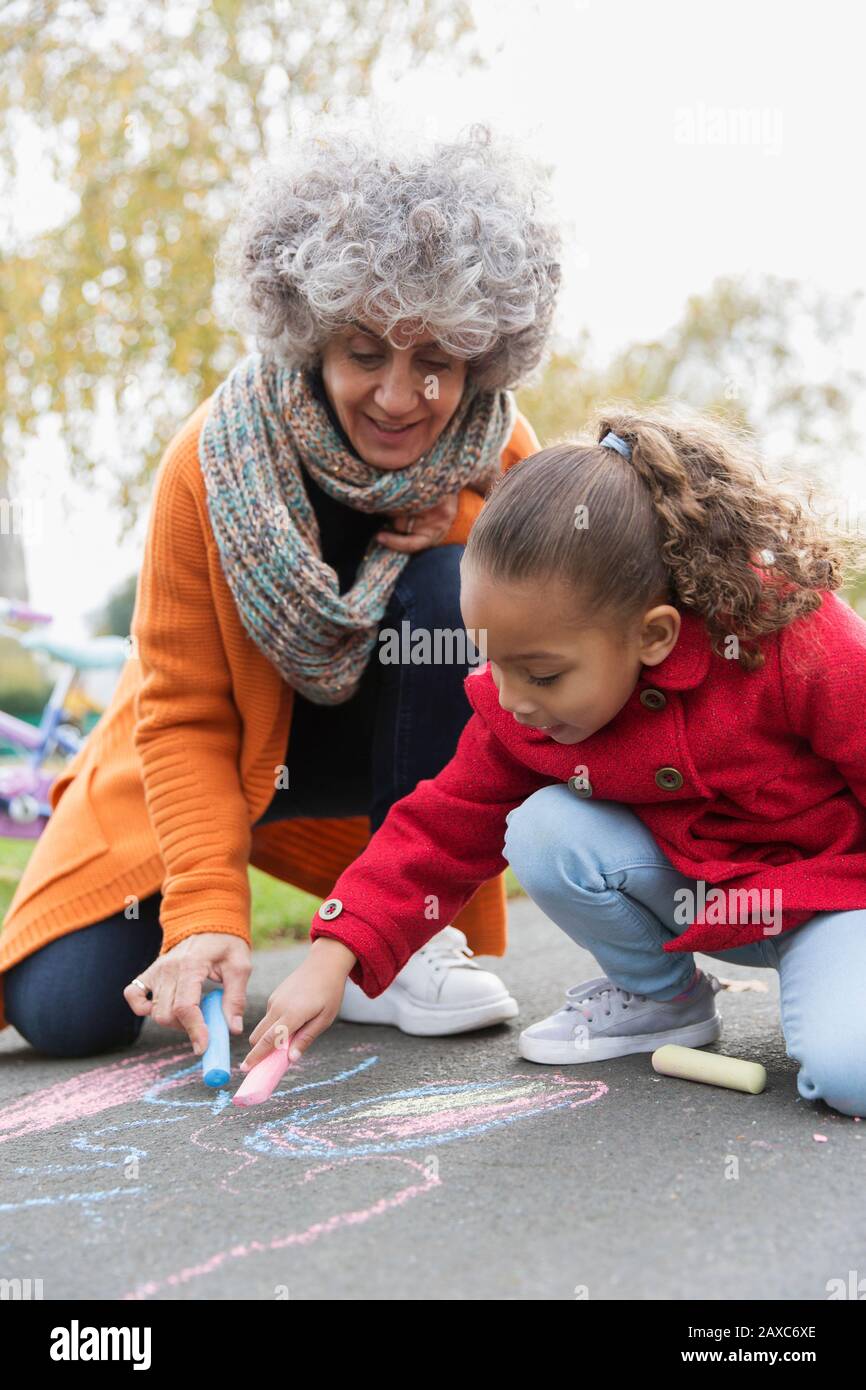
x: 581, y: 786
x: 669, y: 779
x: 653, y: 699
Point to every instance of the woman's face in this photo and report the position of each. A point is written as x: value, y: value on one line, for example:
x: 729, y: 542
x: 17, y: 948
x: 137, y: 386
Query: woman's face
x: 393, y: 402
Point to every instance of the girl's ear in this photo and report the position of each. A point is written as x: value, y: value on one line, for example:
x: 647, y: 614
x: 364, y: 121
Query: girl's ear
x: 659, y: 631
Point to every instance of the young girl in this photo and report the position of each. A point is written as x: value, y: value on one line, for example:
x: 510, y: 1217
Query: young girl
x: 667, y: 745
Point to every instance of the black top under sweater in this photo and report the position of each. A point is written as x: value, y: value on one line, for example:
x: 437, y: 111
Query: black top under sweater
x: 344, y: 531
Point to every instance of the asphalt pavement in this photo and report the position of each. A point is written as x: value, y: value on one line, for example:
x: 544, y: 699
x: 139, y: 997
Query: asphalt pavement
x: 392, y: 1167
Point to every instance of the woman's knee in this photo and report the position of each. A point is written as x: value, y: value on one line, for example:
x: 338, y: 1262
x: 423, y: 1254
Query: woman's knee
x: 70, y: 1036
x: 66, y: 999
x: 429, y: 587
x: 65, y: 1022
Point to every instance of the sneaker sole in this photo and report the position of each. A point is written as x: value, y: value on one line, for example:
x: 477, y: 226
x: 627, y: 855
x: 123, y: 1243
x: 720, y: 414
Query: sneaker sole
x: 563, y: 1054
x: 433, y: 1022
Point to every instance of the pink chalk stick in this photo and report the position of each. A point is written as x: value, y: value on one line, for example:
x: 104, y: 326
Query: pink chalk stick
x: 263, y: 1078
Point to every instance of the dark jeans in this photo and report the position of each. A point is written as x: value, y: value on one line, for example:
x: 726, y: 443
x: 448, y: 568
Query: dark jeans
x: 358, y: 758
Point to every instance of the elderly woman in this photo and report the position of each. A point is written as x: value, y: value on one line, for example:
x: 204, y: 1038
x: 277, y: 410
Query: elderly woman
x: 318, y: 502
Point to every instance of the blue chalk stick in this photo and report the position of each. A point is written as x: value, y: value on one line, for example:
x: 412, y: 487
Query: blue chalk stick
x: 216, y: 1064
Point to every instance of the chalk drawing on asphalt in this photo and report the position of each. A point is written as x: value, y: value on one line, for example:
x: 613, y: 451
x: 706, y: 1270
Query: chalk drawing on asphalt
x: 317, y: 1127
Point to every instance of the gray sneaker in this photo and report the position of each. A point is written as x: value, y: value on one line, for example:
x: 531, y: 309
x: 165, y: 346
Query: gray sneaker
x: 600, y: 1020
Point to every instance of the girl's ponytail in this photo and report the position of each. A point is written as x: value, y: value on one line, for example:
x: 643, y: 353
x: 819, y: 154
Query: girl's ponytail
x: 740, y: 549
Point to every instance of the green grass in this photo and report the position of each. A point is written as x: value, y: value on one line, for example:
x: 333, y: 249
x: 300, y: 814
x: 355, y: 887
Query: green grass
x: 280, y: 913
x: 13, y: 856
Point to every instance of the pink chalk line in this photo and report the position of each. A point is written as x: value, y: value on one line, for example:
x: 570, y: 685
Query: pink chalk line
x: 89, y: 1093
x: 305, y: 1237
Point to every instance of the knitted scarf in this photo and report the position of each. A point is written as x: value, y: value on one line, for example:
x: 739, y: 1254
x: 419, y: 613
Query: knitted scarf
x: 265, y: 421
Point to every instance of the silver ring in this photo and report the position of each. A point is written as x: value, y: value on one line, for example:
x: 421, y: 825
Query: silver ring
x: 143, y: 986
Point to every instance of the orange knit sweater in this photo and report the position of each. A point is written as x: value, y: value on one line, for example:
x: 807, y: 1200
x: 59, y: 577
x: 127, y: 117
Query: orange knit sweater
x: 165, y: 791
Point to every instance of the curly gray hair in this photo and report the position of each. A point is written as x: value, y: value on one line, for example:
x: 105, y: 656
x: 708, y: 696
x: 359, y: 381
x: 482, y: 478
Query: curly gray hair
x: 344, y: 229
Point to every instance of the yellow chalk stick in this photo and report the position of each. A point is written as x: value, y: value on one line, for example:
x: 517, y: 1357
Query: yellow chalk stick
x: 712, y: 1067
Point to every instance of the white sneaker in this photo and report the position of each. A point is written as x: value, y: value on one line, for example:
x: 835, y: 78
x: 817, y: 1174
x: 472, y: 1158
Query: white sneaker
x: 438, y: 991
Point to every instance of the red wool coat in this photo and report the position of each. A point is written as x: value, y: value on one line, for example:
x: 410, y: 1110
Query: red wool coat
x: 751, y: 780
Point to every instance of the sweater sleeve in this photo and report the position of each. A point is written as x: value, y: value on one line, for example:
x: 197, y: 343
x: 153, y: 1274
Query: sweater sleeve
x: 187, y: 730
x: 433, y: 850
x: 823, y: 668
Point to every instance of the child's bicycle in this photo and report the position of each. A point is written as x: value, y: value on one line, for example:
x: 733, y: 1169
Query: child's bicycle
x: 24, y: 805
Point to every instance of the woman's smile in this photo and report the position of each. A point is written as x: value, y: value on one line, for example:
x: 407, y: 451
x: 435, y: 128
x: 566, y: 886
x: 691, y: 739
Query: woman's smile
x: 391, y: 433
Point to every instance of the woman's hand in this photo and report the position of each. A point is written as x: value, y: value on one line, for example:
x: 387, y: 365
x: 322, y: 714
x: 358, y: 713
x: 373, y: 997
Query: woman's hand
x: 305, y: 1004
x: 428, y: 527
x: 177, y: 977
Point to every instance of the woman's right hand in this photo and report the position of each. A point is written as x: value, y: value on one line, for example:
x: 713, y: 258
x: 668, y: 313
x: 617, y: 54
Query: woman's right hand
x: 176, y: 980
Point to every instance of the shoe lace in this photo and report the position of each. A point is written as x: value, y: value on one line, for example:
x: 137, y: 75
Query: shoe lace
x: 445, y: 951
x: 581, y: 998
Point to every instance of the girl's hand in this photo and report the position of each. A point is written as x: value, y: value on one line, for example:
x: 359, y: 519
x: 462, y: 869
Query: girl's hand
x: 176, y: 979
x: 428, y: 527
x: 305, y: 1004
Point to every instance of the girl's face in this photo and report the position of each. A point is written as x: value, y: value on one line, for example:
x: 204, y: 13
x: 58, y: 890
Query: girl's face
x: 551, y: 671
x: 393, y: 403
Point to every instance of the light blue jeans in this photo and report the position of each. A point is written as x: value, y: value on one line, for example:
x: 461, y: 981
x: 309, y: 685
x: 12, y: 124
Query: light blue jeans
x: 596, y: 871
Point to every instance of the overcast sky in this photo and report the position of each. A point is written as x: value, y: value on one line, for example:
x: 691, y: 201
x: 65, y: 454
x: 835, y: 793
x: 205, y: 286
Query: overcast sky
x: 689, y: 140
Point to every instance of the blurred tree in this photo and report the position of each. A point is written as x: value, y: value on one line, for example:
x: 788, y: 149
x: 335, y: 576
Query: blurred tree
x: 854, y: 592
x: 149, y: 112
x: 752, y: 349
x: 115, y: 616
x: 13, y: 571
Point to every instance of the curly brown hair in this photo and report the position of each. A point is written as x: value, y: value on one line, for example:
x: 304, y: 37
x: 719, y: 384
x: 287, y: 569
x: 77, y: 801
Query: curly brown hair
x: 690, y: 519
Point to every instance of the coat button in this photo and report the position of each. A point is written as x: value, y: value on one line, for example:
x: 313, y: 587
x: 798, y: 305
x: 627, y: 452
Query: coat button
x: 653, y: 699
x: 669, y: 779
x: 332, y: 908
x: 581, y: 786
